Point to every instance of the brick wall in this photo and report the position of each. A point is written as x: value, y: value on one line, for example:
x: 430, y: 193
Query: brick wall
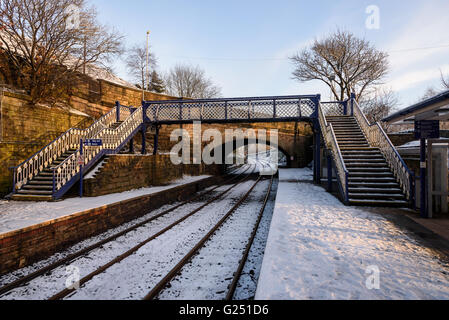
x: 127, y: 172
x: 22, y: 247
x: 295, y: 139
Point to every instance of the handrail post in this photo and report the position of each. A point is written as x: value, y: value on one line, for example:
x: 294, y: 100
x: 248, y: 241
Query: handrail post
x: 54, y: 181
x: 226, y: 110
x: 274, y: 109
x: 329, y: 172
x: 14, y: 171
x: 117, y: 111
x: 352, y: 103
x: 345, y: 108
x: 347, y: 187
x: 81, y: 169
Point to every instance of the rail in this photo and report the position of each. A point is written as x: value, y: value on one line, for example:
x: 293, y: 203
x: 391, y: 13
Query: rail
x: 332, y: 144
x: 378, y: 138
x: 275, y: 108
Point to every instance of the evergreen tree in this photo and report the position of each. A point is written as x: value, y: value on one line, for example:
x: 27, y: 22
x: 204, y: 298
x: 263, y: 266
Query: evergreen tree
x: 156, y: 83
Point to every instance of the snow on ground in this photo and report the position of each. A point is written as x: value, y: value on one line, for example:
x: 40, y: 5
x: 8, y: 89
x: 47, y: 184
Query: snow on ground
x: 318, y: 248
x: 18, y: 214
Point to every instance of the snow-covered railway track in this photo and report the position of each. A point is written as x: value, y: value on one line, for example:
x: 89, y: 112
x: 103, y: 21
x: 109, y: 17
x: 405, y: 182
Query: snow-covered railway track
x: 45, y: 270
x: 223, y: 276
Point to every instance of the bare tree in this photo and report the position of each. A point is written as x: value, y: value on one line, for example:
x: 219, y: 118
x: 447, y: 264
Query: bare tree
x: 50, y: 41
x: 343, y: 62
x: 379, y: 105
x: 430, y: 92
x: 136, y: 61
x: 444, y: 81
x: 191, y: 82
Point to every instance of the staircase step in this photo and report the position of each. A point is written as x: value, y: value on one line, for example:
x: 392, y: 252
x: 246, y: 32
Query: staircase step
x: 379, y: 203
x: 377, y: 196
x: 38, y: 187
x: 369, y: 169
x: 35, y: 192
x: 355, y: 174
x: 375, y: 190
x: 23, y: 197
x: 373, y: 185
x: 355, y: 180
x: 378, y: 165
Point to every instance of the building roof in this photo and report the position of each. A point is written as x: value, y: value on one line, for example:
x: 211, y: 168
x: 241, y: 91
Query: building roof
x: 434, y: 108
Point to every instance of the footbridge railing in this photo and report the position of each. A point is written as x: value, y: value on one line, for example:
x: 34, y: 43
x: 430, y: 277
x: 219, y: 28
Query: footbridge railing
x: 113, y: 140
x: 334, y: 109
x: 252, y: 109
x: 45, y: 157
x: 377, y: 137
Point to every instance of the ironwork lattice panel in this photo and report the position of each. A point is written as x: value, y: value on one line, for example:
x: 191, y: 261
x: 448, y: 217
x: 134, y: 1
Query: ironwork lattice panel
x: 262, y: 109
x: 214, y: 111
x: 288, y: 109
x: 238, y: 110
x: 333, y: 108
x: 307, y: 107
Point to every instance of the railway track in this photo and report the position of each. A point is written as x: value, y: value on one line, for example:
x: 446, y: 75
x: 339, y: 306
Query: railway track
x: 162, y: 284
x: 72, y: 257
x: 67, y: 291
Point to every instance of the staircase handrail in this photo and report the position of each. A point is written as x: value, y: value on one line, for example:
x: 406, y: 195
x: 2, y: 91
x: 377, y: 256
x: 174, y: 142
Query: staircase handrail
x: 378, y: 138
x: 42, y: 159
x: 332, y: 144
x: 112, y: 140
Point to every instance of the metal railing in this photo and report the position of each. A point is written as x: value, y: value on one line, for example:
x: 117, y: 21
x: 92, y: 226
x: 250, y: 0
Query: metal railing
x: 112, y: 140
x: 44, y: 158
x: 332, y: 109
x: 377, y: 138
x: 234, y: 109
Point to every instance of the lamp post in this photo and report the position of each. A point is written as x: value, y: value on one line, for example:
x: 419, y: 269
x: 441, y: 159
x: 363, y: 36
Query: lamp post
x: 147, y: 76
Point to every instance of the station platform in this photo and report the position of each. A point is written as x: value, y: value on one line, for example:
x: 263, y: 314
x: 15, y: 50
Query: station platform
x: 320, y: 249
x: 15, y: 215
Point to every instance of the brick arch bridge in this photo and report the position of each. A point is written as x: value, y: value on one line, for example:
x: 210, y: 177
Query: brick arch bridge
x: 295, y: 139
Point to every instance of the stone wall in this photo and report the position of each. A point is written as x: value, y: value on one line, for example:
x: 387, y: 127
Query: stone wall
x: 25, y: 129
x: 126, y: 172
x: 22, y: 247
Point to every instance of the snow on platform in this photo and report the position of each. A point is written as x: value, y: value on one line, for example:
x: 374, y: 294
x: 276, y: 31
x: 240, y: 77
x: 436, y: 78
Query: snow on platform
x: 320, y: 249
x: 18, y: 214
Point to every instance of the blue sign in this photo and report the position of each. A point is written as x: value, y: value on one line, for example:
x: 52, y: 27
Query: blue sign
x: 427, y: 129
x: 93, y: 142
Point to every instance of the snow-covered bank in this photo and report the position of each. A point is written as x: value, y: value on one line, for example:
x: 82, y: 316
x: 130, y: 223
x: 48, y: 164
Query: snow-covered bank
x: 320, y: 249
x: 16, y: 214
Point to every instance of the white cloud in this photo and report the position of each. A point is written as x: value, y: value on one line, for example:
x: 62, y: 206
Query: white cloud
x: 411, y: 79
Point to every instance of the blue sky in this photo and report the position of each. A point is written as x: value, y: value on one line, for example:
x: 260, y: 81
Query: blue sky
x: 244, y: 45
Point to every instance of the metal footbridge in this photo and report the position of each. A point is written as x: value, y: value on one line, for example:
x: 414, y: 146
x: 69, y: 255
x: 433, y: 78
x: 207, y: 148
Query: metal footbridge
x: 52, y: 171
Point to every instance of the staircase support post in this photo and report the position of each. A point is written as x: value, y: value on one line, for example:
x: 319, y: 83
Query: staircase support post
x: 156, y: 141
x: 329, y: 172
x: 317, y: 157
x: 131, y: 146
x: 143, y: 132
x: 423, y: 174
